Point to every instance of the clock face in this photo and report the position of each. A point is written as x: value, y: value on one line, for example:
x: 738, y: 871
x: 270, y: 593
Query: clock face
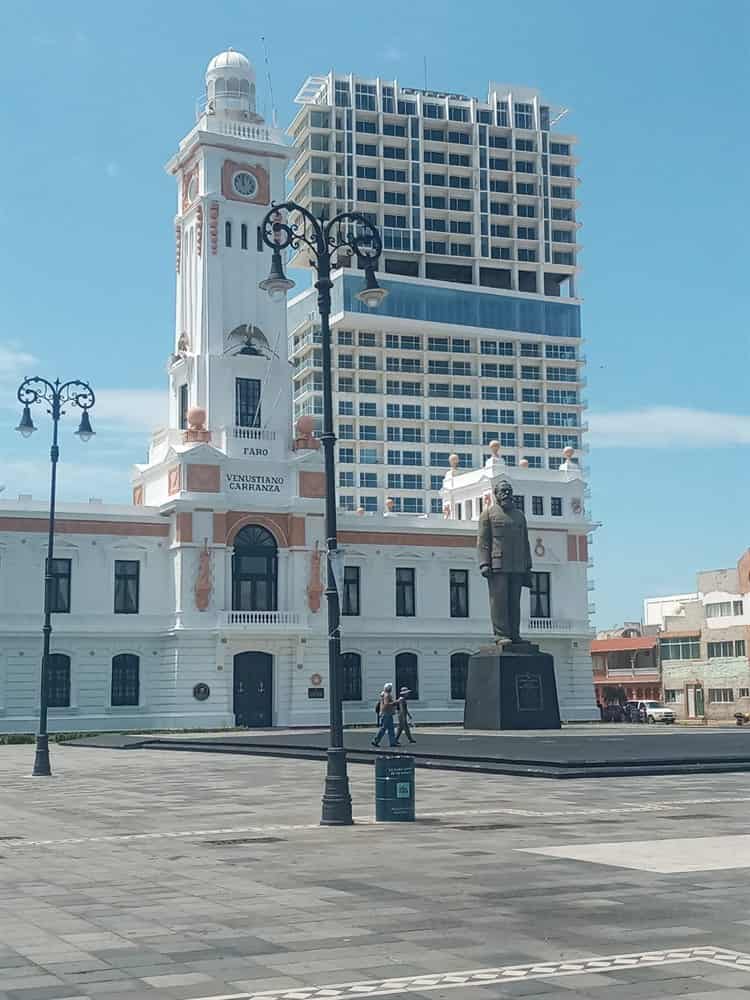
x: 245, y: 184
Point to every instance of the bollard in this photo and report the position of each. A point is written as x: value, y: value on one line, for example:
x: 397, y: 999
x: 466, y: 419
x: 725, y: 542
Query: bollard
x: 394, y: 789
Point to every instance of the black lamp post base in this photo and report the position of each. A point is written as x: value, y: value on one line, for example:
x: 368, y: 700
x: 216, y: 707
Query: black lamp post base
x: 41, y: 759
x: 337, y: 802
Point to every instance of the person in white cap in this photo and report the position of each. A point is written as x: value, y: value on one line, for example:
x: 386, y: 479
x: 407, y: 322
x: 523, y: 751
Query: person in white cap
x: 404, y: 715
x: 387, y: 711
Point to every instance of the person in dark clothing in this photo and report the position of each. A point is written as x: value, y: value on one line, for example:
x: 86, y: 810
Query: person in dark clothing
x: 387, y: 711
x: 404, y: 715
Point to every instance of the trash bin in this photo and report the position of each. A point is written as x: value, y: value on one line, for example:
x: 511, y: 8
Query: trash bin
x: 394, y: 789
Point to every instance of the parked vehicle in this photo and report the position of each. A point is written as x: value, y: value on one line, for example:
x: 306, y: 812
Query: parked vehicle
x: 742, y: 718
x: 656, y: 711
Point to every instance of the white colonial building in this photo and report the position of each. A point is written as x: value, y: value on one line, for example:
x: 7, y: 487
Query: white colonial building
x: 199, y: 604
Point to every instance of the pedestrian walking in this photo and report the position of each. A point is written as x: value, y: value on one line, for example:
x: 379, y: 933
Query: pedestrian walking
x: 388, y: 709
x: 404, y: 715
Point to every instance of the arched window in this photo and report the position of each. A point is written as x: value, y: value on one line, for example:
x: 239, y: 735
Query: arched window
x: 254, y: 570
x: 243, y: 236
x: 407, y: 674
x: 459, y: 670
x: 233, y: 86
x: 220, y: 86
x: 351, y: 677
x: 245, y: 88
x: 228, y: 234
x: 125, y: 679
x: 58, y: 680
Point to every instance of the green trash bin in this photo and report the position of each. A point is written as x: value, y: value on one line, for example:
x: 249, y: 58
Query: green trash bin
x: 394, y: 789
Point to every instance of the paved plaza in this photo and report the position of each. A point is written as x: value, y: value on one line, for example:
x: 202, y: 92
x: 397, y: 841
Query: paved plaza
x: 184, y: 875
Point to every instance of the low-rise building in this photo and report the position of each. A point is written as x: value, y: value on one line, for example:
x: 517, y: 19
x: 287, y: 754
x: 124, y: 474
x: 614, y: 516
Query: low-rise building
x: 626, y: 668
x: 703, y: 643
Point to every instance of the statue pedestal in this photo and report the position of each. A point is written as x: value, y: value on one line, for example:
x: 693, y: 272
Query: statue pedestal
x: 511, y: 687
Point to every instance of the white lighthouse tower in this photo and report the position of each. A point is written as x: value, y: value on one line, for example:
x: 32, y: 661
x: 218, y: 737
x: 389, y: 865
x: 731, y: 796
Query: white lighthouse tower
x: 229, y: 365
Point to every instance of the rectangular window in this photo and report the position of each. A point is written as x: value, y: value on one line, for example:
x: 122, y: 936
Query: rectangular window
x: 405, y: 603
x: 720, y: 694
x: 459, y: 593
x: 350, y: 592
x: 530, y: 372
x: 368, y: 456
x: 346, y: 480
x: 721, y: 610
x: 368, y: 480
x: 531, y: 395
x: 368, y: 409
x: 680, y: 649
x: 247, y: 402
x: 737, y: 608
x: 346, y: 432
x: 346, y: 408
x: 556, y: 506
x: 532, y: 417
x: 540, y: 595
x: 720, y: 649
x: 532, y: 439
x: 58, y: 680
x: 346, y: 455
x: 183, y: 407
x: 59, y: 586
x: 537, y: 506
x: 346, y: 503
x: 127, y: 586
x: 739, y: 647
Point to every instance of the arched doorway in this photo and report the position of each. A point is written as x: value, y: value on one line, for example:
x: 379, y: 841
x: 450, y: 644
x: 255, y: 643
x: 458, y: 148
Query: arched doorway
x: 254, y: 570
x: 253, y: 689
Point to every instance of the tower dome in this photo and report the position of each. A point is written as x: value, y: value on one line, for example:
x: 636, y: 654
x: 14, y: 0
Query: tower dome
x: 230, y: 84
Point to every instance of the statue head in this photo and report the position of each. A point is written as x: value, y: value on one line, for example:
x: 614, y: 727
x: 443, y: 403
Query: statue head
x: 503, y: 494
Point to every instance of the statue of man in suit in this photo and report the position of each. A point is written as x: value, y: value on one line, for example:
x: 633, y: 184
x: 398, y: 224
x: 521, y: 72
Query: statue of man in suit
x: 505, y: 561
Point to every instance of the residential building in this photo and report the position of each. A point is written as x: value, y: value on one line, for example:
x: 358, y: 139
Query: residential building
x: 200, y: 604
x: 626, y: 665
x: 703, y: 643
x: 479, y: 338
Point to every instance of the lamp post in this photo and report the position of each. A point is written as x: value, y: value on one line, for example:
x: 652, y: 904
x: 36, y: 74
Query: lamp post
x: 56, y: 395
x: 347, y: 233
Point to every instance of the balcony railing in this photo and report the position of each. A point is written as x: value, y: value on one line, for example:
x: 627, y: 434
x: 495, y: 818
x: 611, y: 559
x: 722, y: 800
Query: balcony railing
x: 554, y: 625
x: 263, y: 618
x: 253, y: 434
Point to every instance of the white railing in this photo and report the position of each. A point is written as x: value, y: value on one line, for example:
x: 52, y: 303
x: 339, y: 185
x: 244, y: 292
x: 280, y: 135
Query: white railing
x: 554, y: 625
x: 242, y: 130
x: 254, y: 434
x: 263, y: 618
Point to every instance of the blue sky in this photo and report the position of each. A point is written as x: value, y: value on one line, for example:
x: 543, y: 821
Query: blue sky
x: 96, y: 97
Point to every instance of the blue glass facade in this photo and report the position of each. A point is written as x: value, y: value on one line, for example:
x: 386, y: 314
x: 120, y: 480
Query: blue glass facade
x: 464, y: 307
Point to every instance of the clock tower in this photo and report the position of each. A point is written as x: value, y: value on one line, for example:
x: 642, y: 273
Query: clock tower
x: 230, y: 350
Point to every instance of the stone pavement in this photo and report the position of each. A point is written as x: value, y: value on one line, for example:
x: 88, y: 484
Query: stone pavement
x: 180, y: 875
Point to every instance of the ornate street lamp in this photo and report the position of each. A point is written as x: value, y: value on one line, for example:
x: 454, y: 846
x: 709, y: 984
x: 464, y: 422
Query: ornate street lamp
x: 56, y: 396
x: 347, y: 233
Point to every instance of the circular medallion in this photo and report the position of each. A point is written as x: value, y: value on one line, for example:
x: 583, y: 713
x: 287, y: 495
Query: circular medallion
x: 192, y: 188
x: 201, y: 692
x: 539, y: 547
x: 316, y: 680
x: 245, y: 183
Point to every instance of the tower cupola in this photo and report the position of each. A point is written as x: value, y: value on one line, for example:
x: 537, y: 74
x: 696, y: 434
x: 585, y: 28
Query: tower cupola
x: 230, y: 86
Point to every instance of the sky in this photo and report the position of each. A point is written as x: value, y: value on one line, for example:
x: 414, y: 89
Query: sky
x: 97, y: 97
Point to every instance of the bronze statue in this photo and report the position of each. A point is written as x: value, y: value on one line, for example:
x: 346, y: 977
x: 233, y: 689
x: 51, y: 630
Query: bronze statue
x: 505, y: 561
